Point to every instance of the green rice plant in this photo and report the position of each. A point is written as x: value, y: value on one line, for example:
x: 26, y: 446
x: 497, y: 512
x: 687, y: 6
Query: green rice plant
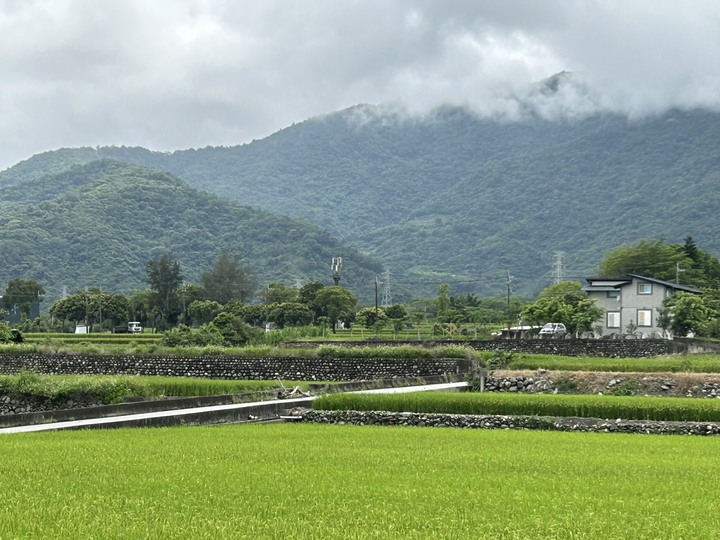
x: 587, y: 406
x: 263, y: 481
x: 698, y: 363
x: 116, y: 388
x: 453, y: 351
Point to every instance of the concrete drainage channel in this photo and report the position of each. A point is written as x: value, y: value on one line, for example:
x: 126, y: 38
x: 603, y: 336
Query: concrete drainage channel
x: 186, y: 411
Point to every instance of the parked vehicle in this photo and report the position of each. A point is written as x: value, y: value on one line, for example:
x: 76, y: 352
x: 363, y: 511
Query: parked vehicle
x: 553, y: 330
x: 133, y: 327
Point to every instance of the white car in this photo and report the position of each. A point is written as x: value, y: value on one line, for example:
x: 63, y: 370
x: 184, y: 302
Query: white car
x: 553, y: 329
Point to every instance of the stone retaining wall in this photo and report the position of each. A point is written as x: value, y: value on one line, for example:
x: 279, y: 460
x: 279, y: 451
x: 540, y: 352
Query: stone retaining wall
x: 19, y: 404
x: 235, y: 367
x: 375, y: 418
x: 699, y: 385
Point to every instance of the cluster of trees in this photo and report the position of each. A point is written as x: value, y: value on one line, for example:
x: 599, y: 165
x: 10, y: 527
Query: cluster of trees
x: 20, y: 294
x: 218, y: 309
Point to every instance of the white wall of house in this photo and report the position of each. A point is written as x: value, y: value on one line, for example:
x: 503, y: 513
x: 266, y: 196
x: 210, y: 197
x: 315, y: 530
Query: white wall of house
x: 634, y: 301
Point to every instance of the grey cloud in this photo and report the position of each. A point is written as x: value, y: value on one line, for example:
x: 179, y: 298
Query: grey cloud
x: 172, y: 74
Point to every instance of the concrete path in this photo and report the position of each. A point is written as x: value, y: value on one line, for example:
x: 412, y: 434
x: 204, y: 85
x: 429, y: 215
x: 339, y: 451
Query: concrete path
x: 177, y: 416
x: 423, y: 388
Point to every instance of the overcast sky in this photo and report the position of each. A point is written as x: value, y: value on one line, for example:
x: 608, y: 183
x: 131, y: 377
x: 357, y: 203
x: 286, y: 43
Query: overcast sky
x: 175, y: 74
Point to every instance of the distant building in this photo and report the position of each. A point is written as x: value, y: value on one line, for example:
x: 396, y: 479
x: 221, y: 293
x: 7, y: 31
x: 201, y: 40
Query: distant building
x: 632, y: 300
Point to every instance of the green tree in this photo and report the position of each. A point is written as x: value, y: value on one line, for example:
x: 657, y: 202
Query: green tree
x: 228, y: 280
x: 651, y: 258
x: 113, y: 307
x: 442, y: 301
x: 564, y: 303
x: 233, y: 329
x: 335, y: 302
x: 184, y: 336
x: 142, y: 307
x: 22, y: 293
x: 397, y: 317
x: 255, y: 314
x: 203, y: 311
x: 72, y: 308
x: 396, y: 311
x: 683, y: 313
x: 91, y: 307
x: 187, y: 294
x: 164, y: 278
x: 291, y: 314
x: 368, y: 317
x: 278, y: 293
x: 307, y: 295
x: 4, y: 332
x: 704, y: 269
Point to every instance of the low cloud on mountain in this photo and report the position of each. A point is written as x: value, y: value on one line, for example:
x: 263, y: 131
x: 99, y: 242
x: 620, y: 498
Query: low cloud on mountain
x: 177, y: 74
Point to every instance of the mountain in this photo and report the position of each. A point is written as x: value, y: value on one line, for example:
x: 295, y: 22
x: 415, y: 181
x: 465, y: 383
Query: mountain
x: 97, y: 224
x: 459, y: 198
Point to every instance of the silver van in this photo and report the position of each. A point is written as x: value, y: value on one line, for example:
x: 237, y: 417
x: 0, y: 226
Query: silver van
x: 553, y: 330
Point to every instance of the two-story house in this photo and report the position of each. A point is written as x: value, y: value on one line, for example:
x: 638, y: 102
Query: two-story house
x: 631, y: 301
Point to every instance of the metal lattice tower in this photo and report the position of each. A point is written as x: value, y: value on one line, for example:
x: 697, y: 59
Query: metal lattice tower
x: 558, y: 271
x: 387, y: 295
x: 336, y: 267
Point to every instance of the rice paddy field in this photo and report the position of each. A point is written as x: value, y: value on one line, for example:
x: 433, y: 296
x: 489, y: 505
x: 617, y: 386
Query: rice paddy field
x: 584, y: 406
x: 307, y: 481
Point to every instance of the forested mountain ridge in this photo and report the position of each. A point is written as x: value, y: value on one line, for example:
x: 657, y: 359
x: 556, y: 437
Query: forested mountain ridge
x: 96, y: 225
x: 453, y: 197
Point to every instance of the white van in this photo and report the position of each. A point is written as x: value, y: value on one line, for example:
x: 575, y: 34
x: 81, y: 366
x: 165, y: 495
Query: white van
x: 553, y: 329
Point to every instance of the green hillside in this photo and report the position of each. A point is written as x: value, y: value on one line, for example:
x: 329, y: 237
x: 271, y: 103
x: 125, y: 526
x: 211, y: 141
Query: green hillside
x: 97, y: 224
x: 452, y: 197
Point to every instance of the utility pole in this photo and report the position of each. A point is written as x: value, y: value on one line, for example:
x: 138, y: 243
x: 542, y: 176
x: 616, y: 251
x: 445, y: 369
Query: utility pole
x: 376, y: 298
x: 678, y: 271
x: 508, y: 280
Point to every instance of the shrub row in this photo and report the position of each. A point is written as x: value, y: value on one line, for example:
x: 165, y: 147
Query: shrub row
x: 111, y: 344
x: 582, y: 406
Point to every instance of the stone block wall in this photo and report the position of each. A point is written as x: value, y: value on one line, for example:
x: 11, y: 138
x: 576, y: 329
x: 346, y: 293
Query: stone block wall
x: 602, y: 348
x: 379, y: 418
x: 234, y: 367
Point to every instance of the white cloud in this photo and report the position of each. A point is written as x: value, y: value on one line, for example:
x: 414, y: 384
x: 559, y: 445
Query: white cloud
x: 172, y: 74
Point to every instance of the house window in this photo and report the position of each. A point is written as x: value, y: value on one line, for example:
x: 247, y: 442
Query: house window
x: 613, y: 319
x: 613, y: 294
x: 644, y: 317
x: 644, y: 288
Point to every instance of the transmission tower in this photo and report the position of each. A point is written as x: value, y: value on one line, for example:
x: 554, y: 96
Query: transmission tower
x: 558, y: 271
x: 387, y: 295
x: 336, y: 267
